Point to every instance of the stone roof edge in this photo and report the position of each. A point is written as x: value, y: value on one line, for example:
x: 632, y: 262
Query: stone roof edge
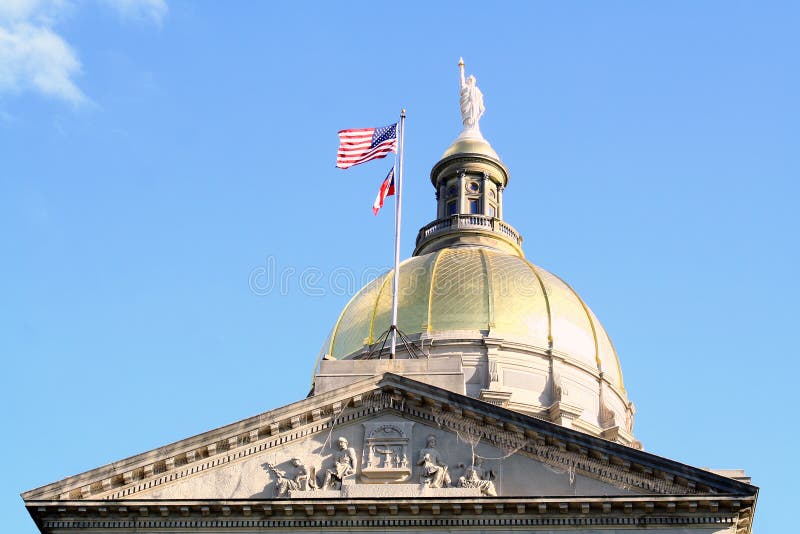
x: 731, y: 500
x: 559, y: 511
x: 577, y: 440
x: 266, y: 423
x: 588, y: 453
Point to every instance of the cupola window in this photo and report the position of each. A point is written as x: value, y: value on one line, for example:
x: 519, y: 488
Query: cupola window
x: 452, y: 207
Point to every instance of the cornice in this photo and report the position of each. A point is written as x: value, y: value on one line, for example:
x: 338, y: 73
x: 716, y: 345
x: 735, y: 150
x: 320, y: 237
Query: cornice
x: 560, y: 511
x: 208, y: 449
x: 449, y: 164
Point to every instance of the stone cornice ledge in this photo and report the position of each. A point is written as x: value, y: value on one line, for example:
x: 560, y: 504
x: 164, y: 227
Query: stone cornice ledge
x: 666, y: 510
x: 203, y: 450
x: 592, y: 450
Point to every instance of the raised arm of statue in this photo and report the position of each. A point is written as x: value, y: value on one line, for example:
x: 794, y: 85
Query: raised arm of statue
x: 463, y: 81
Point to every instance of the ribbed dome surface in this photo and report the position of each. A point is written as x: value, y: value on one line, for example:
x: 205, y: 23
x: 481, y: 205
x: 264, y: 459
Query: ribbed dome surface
x: 474, y: 291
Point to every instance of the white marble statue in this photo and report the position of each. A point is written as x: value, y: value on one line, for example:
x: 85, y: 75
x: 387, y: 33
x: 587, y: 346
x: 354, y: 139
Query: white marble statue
x: 344, y: 465
x: 477, y: 476
x: 434, y: 472
x: 301, y: 478
x: 471, y: 103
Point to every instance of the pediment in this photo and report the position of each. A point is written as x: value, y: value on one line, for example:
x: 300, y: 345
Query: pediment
x: 388, y: 454
x: 388, y: 421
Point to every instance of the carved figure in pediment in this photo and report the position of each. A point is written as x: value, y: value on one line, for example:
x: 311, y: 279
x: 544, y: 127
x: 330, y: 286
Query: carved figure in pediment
x: 435, y: 473
x: 301, y: 478
x: 344, y: 465
x: 476, y: 476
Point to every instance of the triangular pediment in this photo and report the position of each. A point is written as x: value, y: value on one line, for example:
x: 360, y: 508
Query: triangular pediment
x: 387, y: 454
x: 521, y: 455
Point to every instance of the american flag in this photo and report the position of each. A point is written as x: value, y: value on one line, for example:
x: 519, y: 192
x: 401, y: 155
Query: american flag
x: 363, y: 144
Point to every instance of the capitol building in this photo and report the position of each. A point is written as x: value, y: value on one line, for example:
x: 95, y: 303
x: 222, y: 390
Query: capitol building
x: 503, y: 409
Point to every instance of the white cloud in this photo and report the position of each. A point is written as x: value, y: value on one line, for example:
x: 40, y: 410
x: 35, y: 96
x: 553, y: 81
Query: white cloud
x: 17, y: 10
x: 148, y: 10
x: 33, y: 56
x: 36, y: 12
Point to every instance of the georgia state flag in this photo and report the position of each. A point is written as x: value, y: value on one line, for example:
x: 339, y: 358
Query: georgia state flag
x: 387, y: 190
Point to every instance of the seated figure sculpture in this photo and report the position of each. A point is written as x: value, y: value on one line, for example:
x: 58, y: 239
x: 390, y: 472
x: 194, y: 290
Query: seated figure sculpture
x: 434, y: 472
x: 344, y: 465
x: 301, y: 478
x: 476, y: 476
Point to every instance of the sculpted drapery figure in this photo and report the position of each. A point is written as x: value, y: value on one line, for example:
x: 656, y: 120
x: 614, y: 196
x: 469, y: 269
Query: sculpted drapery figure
x: 471, y: 102
x: 344, y: 464
x: 476, y: 476
x: 434, y: 470
x: 301, y: 478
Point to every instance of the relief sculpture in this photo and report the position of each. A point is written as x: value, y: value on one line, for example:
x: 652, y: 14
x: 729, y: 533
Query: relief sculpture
x: 300, y: 479
x: 386, y: 460
x: 386, y: 452
x: 476, y: 476
x: 344, y: 466
x: 435, y: 473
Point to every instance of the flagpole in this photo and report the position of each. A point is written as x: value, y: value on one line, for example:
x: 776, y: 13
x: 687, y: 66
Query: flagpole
x: 397, y: 220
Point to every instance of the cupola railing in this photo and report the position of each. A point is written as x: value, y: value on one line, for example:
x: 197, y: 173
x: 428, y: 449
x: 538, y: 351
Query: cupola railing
x: 462, y: 221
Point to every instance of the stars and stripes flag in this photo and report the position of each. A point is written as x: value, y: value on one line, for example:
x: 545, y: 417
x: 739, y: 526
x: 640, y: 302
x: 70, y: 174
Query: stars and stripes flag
x: 387, y: 190
x: 364, y: 144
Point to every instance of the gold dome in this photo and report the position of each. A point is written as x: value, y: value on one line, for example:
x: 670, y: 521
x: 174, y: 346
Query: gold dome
x: 477, y: 291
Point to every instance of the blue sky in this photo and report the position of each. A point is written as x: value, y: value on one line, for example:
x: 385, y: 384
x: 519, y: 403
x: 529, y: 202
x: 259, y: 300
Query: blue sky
x: 155, y: 155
